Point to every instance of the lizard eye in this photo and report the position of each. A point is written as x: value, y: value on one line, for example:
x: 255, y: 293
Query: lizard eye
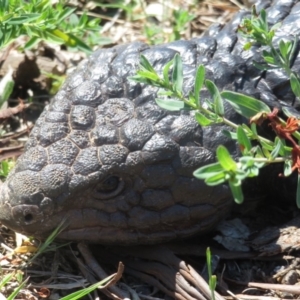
x: 108, y: 188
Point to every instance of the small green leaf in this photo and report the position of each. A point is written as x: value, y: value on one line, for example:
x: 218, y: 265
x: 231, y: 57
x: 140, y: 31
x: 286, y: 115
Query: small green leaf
x: 287, y: 171
x: 284, y: 48
x: 216, y: 179
x: 177, y: 75
x: 254, y: 129
x: 286, y: 110
x: 208, y: 171
x: 258, y: 152
x: 295, y: 84
x: 268, y: 58
x: 25, y: 18
x: 199, y: 80
x: 262, y: 67
x: 243, y: 139
x: 202, y: 119
x: 149, y: 75
x: 65, y: 13
x: 277, y: 147
x: 236, y: 190
x: 166, y: 71
x: 245, y: 105
x: 217, y: 100
x: 170, y: 104
x: 140, y: 79
x: 31, y: 43
x: 293, y: 49
x: 276, y: 26
x: 230, y: 134
x: 146, y: 64
x: 225, y: 159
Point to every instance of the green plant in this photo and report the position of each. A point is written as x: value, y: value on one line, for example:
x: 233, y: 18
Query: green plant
x: 212, y: 279
x: 5, y: 167
x: 256, y: 30
x: 254, y: 157
x: 40, y: 20
x: 98, y: 285
x: 9, y: 277
x: 181, y: 19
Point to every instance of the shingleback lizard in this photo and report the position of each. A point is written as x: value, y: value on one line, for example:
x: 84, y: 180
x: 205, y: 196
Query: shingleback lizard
x: 104, y: 156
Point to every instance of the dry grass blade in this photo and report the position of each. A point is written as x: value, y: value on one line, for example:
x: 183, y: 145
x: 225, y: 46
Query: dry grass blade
x: 293, y: 289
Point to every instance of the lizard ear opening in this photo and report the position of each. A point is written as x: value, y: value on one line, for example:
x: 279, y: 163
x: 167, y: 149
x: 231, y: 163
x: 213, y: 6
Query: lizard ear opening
x: 109, y: 187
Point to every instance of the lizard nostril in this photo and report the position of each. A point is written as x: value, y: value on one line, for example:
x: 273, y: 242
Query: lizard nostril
x: 26, y: 214
x: 28, y: 218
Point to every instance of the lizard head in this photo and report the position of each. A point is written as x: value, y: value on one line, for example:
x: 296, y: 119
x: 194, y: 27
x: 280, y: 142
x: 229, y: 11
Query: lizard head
x: 117, y: 169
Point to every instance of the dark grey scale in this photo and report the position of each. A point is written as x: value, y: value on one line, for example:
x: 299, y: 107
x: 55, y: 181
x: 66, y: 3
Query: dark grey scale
x: 60, y: 102
x: 174, y: 214
x: 78, y: 182
x: 80, y: 138
x: 280, y: 11
x: 52, y: 132
x: 290, y: 26
x: 206, y: 47
x: 115, y: 111
x: 33, y: 159
x: 104, y: 134
x: 127, y: 60
x: 159, y: 56
x: 156, y: 200
x: 104, y: 156
x: 183, y: 129
x: 82, y: 117
x: 112, y: 155
x: 131, y: 89
x: 86, y: 162
x: 54, y: 180
x: 62, y: 152
x: 56, y: 117
x: 215, y: 131
x: 187, y: 190
x: 90, y: 218
x: 134, y: 163
x: 158, y: 176
x: 143, y: 218
x: 112, y: 87
x: 98, y: 66
x: 29, y: 193
x: 73, y: 81
x: 186, y: 51
x: 191, y: 157
x: 159, y: 148
x: 135, y: 133
x: 118, y: 220
x: 88, y: 93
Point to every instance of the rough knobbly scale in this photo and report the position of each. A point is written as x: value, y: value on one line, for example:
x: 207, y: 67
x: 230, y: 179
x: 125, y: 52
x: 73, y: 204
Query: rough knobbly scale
x: 105, y: 157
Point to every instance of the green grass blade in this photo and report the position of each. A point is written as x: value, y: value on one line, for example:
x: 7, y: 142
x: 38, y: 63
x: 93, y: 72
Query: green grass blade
x: 83, y: 292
